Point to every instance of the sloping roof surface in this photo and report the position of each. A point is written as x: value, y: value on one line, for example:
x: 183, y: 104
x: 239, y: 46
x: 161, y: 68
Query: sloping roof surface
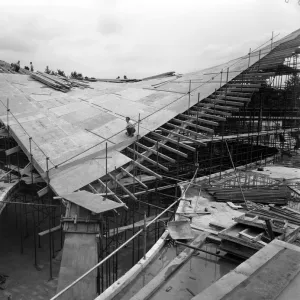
x: 72, y: 129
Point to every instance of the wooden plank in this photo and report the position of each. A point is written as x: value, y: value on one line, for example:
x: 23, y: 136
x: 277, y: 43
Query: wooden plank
x: 236, y: 85
x: 220, y: 101
x: 184, y: 137
x: 53, y: 229
x: 161, y: 188
x: 213, y: 111
x: 209, y: 122
x: 92, y: 202
x: 43, y: 191
x: 148, y: 159
x: 26, y: 170
x: 156, y: 152
x: 173, y: 141
x: 113, y: 194
x: 209, y: 130
x: 147, y: 170
x: 12, y: 150
x: 234, y: 98
x: 166, y: 147
x: 191, y: 132
x: 195, y: 111
x: 122, y: 187
x: 149, y: 289
x: 135, y: 178
x: 230, y: 108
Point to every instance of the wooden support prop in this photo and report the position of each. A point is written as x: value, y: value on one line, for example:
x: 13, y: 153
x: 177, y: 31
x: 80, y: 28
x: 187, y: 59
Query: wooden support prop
x: 122, y: 187
x: 233, y: 98
x: 26, y: 170
x: 161, y: 188
x: 235, y: 85
x: 148, y: 159
x: 181, y: 136
x: 266, y: 74
x: 12, y: 150
x: 191, y: 132
x: 147, y: 170
x: 92, y: 189
x: 173, y: 141
x: 43, y: 191
x: 135, y: 178
x: 113, y: 194
x: 166, y: 147
x: 209, y: 130
x: 234, y: 94
x: 215, y: 111
x: 211, y: 105
x: 195, y: 111
x: 53, y: 229
x: 213, y: 123
x: 156, y: 152
x: 220, y: 101
x: 241, y: 89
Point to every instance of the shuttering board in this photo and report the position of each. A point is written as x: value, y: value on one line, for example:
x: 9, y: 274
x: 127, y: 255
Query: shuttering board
x: 91, y: 202
x: 60, y: 130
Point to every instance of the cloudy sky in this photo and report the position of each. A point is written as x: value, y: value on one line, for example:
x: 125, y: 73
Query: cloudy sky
x: 107, y: 38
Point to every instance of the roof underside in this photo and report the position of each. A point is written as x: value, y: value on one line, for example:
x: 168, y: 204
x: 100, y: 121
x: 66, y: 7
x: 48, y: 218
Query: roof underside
x: 72, y: 129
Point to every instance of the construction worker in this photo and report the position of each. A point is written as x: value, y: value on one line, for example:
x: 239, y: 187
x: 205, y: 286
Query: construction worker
x: 130, y: 127
x: 16, y: 67
x: 31, y: 67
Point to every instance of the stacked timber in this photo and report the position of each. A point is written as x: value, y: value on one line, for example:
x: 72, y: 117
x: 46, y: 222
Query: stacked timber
x: 285, y: 213
x: 265, y: 195
x: 59, y: 83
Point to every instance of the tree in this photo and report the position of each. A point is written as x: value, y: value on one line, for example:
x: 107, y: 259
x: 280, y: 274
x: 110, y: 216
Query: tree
x: 61, y: 73
x: 76, y: 75
x: 47, y: 70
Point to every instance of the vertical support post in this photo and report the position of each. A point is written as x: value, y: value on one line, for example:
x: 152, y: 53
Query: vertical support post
x: 272, y: 40
x: 106, y: 169
x: 49, y: 216
x: 33, y: 214
x: 145, y: 235
x: 221, y: 78
x: 139, y: 120
x: 198, y: 112
x: 249, y: 57
x: 189, y: 96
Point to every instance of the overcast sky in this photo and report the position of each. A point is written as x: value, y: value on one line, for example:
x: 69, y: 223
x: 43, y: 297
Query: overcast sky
x: 107, y: 38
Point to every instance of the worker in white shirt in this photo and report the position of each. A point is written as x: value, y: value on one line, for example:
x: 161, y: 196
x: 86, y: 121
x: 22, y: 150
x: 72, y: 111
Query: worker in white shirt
x: 130, y: 127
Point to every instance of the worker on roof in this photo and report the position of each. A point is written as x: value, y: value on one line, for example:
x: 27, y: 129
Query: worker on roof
x: 125, y: 77
x: 130, y: 127
x: 31, y: 67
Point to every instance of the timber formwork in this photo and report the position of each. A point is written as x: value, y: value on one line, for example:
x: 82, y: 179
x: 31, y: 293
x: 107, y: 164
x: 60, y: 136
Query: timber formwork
x: 255, y: 115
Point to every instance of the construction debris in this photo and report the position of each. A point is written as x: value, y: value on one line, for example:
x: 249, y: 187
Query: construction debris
x: 255, y: 229
x: 60, y: 83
